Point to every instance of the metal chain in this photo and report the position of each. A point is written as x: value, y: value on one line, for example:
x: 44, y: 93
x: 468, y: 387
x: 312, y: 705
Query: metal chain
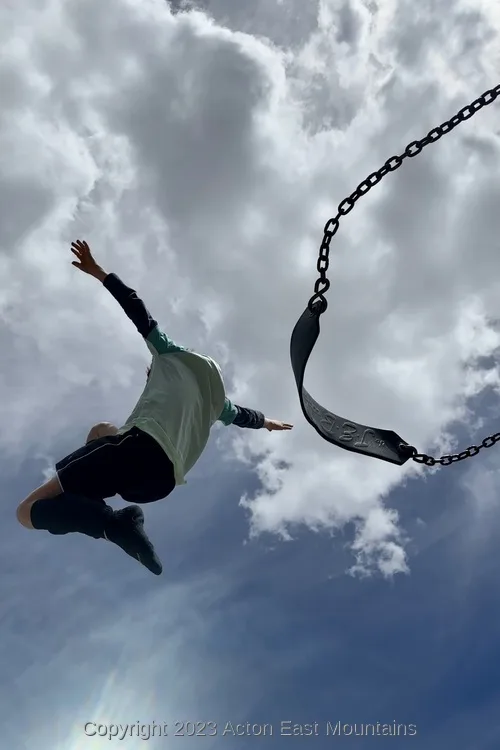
x: 322, y: 285
x: 472, y: 450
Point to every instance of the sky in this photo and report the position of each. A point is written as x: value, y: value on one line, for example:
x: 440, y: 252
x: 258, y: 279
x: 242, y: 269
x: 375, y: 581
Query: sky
x: 200, y: 148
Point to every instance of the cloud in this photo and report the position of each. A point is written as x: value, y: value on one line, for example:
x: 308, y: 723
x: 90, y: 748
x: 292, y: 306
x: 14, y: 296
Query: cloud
x: 201, y: 163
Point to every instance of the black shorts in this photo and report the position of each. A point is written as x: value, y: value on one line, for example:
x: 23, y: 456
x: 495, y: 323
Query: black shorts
x: 132, y: 465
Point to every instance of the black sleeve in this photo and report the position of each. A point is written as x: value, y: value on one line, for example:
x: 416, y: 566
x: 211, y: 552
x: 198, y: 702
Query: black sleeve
x: 250, y: 418
x: 132, y: 306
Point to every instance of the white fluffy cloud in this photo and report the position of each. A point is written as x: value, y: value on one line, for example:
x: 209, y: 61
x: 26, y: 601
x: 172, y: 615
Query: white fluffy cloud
x: 202, y: 163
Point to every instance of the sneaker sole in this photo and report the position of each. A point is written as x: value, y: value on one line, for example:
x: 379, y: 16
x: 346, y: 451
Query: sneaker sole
x: 150, y: 557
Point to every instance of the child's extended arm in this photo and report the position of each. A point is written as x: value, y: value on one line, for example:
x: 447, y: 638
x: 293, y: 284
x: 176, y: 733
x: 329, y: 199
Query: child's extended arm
x: 132, y: 305
x: 243, y: 417
x: 140, y: 316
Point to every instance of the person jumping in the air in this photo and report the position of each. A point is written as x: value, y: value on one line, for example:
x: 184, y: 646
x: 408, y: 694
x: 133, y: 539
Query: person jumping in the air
x: 146, y: 458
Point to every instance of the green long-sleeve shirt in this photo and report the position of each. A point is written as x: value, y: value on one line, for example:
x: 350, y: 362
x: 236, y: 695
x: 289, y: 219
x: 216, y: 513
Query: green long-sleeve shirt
x: 184, y: 394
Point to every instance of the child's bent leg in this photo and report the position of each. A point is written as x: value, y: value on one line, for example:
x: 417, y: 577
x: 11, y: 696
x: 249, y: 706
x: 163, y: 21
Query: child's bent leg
x: 73, y: 501
x: 50, y: 489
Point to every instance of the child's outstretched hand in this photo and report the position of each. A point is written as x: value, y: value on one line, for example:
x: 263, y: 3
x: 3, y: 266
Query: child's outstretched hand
x: 87, y: 263
x: 273, y: 424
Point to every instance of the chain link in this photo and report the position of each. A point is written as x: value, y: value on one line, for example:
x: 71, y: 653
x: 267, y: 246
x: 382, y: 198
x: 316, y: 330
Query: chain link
x: 472, y: 450
x: 318, y: 303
